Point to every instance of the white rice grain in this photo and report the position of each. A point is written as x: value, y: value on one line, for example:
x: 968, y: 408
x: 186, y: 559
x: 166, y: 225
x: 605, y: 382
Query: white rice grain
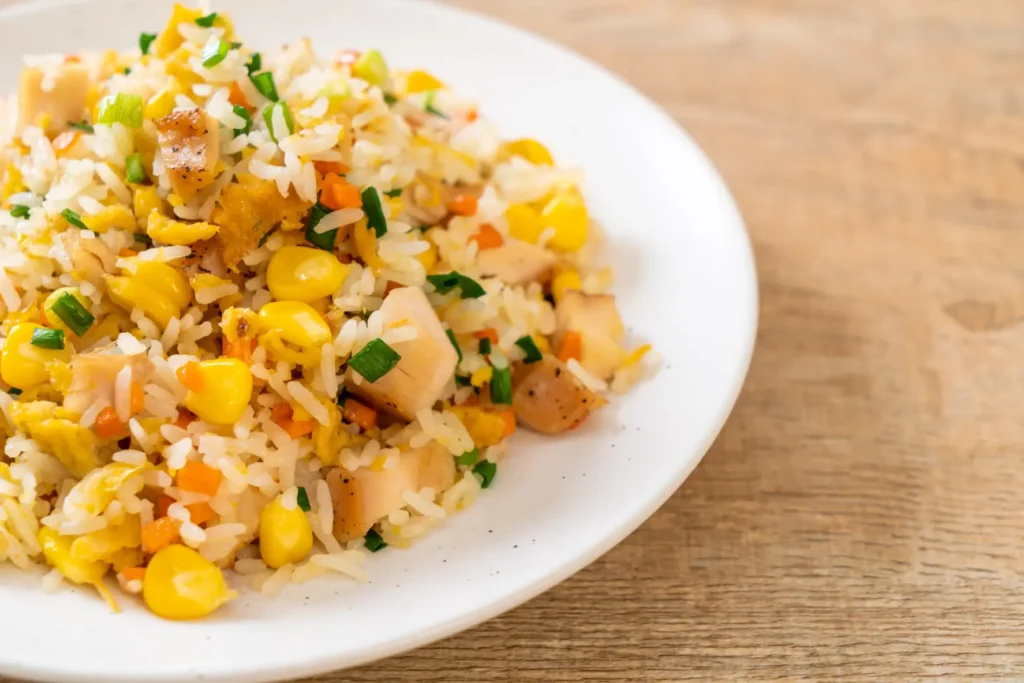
x: 123, y: 393
x: 305, y: 398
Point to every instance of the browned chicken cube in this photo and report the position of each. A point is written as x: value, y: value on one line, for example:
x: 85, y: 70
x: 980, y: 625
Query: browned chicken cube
x: 516, y: 262
x: 190, y: 148
x: 54, y: 108
x: 549, y: 399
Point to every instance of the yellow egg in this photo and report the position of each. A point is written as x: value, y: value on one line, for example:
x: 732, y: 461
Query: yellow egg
x: 181, y: 584
x: 564, y: 281
x: 169, y: 231
x: 159, y: 290
x: 529, y: 149
x: 428, y: 258
x: 23, y: 365
x: 225, y: 393
x: 567, y: 215
x: 285, y: 535
x: 57, y: 551
x: 524, y: 223
x: 304, y: 274
x: 421, y: 81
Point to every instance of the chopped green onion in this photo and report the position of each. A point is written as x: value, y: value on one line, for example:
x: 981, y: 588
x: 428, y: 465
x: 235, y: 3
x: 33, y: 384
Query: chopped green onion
x: 268, y: 118
x: 428, y: 105
x: 485, y: 346
x: 215, y: 52
x: 268, y: 233
x: 207, y: 21
x: 71, y: 311
x: 243, y: 113
x: 390, y: 99
x: 74, y: 219
x: 19, y: 211
x: 463, y: 381
x: 446, y: 282
x: 487, y: 470
x: 374, y: 360
x: 121, y: 108
x: 264, y: 82
x: 255, y: 63
x: 501, y: 385
x: 133, y: 171
x: 127, y: 70
x: 468, y: 458
x: 529, y: 347
x: 455, y: 343
x: 145, y: 40
x: 83, y: 126
x: 303, y: 500
x: 374, y: 213
x: 235, y: 46
x: 143, y: 238
x: 372, y: 68
x: 46, y: 338
x: 324, y: 240
x: 394, y: 193
x: 14, y: 391
x: 373, y: 541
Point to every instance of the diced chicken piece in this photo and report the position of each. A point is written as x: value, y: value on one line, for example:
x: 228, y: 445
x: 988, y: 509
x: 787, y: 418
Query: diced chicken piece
x: 428, y: 361
x: 53, y: 108
x: 596, y: 319
x: 364, y: 497
x: 190, y: 148
x: 549, y: 398
x: 516, y: 262
x: 93, y: 375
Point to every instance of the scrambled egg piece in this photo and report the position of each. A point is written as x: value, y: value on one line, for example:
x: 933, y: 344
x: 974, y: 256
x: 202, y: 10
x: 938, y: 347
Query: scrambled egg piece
x: 486, y: 427
x: 169, y: 39
x: 74, y: 445
x: 169, y: 231
x: 247, y: 212
x: 106, y: 544
x: 116, y: 216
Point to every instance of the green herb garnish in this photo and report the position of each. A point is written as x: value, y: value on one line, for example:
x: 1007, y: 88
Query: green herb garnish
x: 389, y: 99
x: 264, y: 82
x: 145, y: 40
x: 255, y: 63
x: 207, y: 21
x: 501, y: 385
x: 121, y: 108
x: 14, y: 391
x: 487, y: 470
x: 268, y: 118
x: 374, y: 213
x: 374, y: 360
x: 446, y: 282
x: 529, y: 347
x: 74, y: 219
x: 143, y: 238
x: 468, y: 458
x: 268, y: 233
x: 47, y: 338
x: 324, y: 240
x: 303, y: 500
x: 394, y: 193
x: 71, y: 311
x: 463, y: 381
x: 19, y: 211
x: 133, y: 171
x: 82, y: 126
x: 455, y: 343
x: 373, y: 541
x: 244, y: 114
x: 215, y: 52
x: 428, y: 105
x: 485, y: 346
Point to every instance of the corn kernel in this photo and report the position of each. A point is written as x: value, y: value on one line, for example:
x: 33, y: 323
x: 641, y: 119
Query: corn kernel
x: 23, y: 365
x: 159, y: 290
x: 182, y: 584
x: 293, y: 331
x: 225, y: 393
x: 529, y: 149
x: 51, y: 318
x: 567, y: 215
x: 524, y: 223
x: 304, y: 274
x: 481, y: 376
x: 563, y: 282
x: 421, y: 81
x: 57, y: 551
x: 286, y: 536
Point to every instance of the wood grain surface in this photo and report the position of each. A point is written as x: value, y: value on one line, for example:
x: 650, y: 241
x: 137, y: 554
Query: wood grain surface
x: 861, y: 515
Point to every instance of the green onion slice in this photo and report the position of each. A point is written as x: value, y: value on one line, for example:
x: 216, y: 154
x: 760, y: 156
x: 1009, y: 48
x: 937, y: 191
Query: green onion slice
x: 14, y: 391
x: 244, y: 114
x: 487, y: 470
x: 374, y: 360
x: 143, y: 238
x: 133, y: 170
x: 268, y: 118
x: 82, y: 126
x: 47, y: 338
x: 455, y: 343
x: 389, y: 99
x: 303, y: 500
x: 264, y: 82
x: 255, y: 63
x: 121, y: 108
x: 463, y: 381
x: 501, y: 385
x: 207, y: 21
x: 268, y: 233
x: 324, y: 240
x: 74, y: 219
x: 529, y: 347
x: 394, y: 193
x: 373, y: 541
x: 428, y: 105
x: 446, y: 282
x: 20, y: 211
x: 468, y: 458
x: 374, y: 213
x: 71, y: 311
x: 145, y: 40
x: 215, y: 52
x: 485, y: 346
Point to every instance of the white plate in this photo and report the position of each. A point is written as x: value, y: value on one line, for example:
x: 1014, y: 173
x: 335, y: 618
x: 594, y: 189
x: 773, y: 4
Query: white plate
x: 685, y: 280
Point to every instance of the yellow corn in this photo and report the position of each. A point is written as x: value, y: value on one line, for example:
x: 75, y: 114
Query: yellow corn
x: 563, y: 282
x: 542, y: 343
x: 481, y: 376
x: 225, y: 393
x: 23, y: 365
x: 13, y: 183
x: 169, y: 231
x: 529, y: 149
x: 524, y: 223
x: 428, y: 258
x: 182, y: 584
x: 159, y: 290
x: 144, y: 202
x: 566, y: 213
x: 116, y: 216
x: 366, y: 245
x: 293, y: 331
x: 421, y: 81
x: 286, y: 536
x: 304, y: 274
x: 162, y: 103
x: 486, y: 427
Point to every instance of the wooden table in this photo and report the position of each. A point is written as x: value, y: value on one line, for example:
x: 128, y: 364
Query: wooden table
x: 860, y: 516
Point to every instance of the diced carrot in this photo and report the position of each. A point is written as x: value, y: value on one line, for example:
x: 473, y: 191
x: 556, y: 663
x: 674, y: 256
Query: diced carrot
x: 109, y: 426
x: 391, y: 285
x: 489, y: 333
x: 487, y: 237
x: 338, y: 193
x: 297, y: 428
x: 159, y: 534
x: 359, y: 414
x: 472, y: 115
x: 163, y: 502
x: 347, y: 57
x: 72, y: 59
x: 199, y: 478
x: 191, y: 376
x: 462, y: 205
x: 325, y: 167
x: 125, y: 252
x: 572, y: 346
x: 241, y: 349
x: 65, y: 141
x: 510, y: 422
x: 201, y: 513
x: 238, y: 98
x: 185, y: 418
x: 281, y: 412
x: 138, y: 401
x: 133, y: 573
